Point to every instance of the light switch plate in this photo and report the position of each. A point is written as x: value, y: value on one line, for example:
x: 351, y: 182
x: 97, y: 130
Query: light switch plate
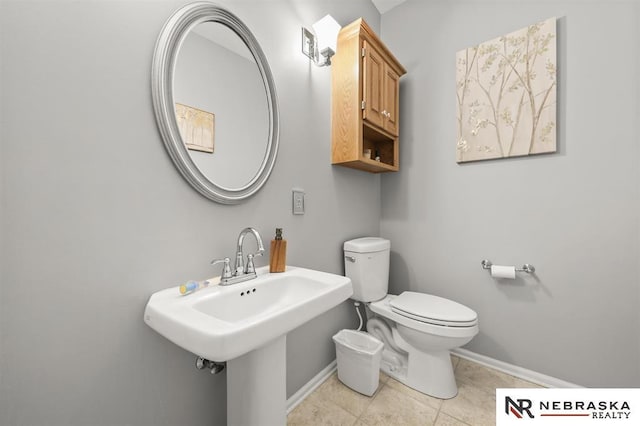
x: 298, y: 201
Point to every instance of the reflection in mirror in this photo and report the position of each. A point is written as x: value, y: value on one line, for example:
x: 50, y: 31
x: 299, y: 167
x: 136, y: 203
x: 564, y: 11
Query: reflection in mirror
x: 218, y: 81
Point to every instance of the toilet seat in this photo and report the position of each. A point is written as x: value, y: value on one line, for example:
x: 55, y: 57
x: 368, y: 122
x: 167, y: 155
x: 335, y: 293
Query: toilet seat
x: 433, y: 310
x: 383, y: 309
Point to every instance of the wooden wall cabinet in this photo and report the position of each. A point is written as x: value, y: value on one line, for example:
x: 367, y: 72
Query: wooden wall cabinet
x: 365, y: 101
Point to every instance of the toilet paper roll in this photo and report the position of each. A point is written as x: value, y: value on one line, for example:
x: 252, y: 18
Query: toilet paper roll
x: 498, y: 271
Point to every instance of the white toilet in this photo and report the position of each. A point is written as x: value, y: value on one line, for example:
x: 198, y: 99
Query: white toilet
x: 417, y: 329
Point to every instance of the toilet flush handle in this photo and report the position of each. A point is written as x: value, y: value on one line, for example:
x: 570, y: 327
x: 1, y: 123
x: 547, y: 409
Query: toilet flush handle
x: 350, y: 258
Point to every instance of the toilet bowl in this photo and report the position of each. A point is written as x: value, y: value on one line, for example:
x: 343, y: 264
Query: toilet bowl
x: 417, y: 329
x: 424, y: 360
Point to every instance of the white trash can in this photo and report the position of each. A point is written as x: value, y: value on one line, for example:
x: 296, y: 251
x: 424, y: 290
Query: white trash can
x: 358, y: 355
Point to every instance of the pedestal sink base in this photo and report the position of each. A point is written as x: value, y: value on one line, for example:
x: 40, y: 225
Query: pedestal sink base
x: 257, y: 386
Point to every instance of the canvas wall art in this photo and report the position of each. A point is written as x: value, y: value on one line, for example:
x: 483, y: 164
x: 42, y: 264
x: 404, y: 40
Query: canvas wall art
x: 197, y: 127
x: 506, y: 95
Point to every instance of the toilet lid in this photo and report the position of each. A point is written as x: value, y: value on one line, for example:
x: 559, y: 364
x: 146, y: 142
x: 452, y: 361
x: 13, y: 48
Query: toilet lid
x: 433, y: 309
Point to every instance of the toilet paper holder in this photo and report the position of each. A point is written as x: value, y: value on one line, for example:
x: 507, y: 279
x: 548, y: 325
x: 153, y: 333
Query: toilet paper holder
x: 528, y: 268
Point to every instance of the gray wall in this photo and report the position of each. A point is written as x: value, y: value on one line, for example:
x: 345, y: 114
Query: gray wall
x: 573, y: 214
x: 95, y: 217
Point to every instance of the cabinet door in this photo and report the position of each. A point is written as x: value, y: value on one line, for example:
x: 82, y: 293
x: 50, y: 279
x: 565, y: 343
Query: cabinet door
x: 372, y: 86
x: 390, y: 103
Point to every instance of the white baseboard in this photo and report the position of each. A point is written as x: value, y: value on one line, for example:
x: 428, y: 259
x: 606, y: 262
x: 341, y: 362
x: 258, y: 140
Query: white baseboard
x: 310, y: 386
x: 514, y: 370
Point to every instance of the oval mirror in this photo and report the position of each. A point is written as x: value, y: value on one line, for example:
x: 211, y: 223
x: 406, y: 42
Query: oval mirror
x: 215, y: 102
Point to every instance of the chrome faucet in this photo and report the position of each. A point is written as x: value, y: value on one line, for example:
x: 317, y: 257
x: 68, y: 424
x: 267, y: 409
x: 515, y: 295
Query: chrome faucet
x: 240, y: 272
x: 240, y: 268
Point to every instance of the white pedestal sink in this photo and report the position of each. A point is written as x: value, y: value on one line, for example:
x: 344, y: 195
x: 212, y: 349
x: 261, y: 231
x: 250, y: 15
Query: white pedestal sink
x: 246, y: 324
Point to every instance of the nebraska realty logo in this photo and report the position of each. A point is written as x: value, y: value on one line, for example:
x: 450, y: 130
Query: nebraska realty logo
x: 567, y: 406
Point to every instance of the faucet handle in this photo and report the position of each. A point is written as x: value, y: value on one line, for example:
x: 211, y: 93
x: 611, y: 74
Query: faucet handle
x: 250, y: 267
x: 226, y: 269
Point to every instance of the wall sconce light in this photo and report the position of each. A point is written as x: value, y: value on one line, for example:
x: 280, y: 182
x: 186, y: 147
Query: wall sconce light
x: 320, y: 45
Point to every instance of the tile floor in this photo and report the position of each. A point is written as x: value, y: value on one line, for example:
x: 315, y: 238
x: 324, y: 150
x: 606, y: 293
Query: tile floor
x: 332, y: 403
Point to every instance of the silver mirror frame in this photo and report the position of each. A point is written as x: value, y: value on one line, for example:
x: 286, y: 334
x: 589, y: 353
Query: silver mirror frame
x: 166, y: 51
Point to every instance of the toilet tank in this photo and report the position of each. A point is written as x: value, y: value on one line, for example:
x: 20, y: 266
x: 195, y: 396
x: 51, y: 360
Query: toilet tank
x: 366, y: 262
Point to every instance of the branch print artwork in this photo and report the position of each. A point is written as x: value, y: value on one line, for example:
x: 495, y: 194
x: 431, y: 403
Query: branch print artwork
x: 506, y: 95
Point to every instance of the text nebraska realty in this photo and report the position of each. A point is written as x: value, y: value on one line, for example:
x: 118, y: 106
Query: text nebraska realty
x: 598, y: 409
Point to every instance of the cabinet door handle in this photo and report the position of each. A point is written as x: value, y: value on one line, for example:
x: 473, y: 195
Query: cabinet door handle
x: 385, y: 113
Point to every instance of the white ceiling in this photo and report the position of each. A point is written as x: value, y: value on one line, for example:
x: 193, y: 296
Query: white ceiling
x: 386, y: 5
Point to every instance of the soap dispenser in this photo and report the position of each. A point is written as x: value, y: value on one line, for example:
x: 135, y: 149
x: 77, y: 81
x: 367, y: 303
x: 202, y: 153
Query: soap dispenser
x: 278, y: 253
